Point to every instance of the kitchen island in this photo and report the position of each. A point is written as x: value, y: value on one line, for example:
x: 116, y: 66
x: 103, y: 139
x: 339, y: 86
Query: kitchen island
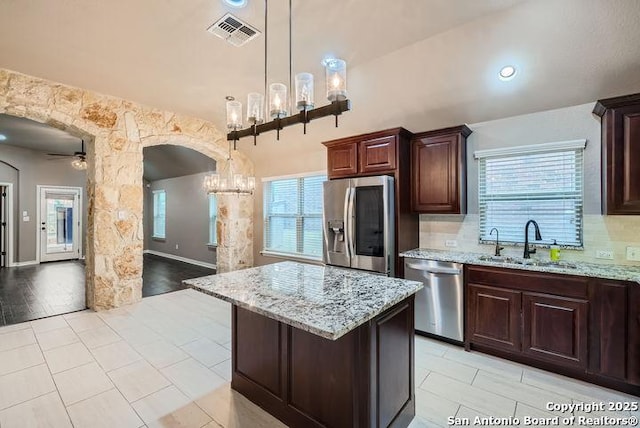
x: 321, y: 346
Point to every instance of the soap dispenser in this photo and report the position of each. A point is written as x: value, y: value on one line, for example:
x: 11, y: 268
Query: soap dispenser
x: 554, y: 251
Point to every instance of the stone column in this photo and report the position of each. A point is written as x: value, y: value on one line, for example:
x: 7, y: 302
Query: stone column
x: 235, y: 232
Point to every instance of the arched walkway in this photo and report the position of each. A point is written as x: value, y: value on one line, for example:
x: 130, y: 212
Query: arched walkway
x: 120, y: 129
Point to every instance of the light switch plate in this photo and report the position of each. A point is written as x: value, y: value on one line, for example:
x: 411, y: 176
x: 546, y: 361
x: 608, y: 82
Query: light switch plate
x: 450, y: 243
x: 26, y: 218
x: 633, y: 254
x: 122, y: 215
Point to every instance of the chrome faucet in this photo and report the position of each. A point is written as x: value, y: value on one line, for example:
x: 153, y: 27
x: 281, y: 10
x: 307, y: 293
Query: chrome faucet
x: 498, y: 247
x: 527, y: 250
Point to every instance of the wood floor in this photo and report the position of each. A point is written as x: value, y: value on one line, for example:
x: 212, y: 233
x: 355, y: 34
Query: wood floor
x: 32, y: 292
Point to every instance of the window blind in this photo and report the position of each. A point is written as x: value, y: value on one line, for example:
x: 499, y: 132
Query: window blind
x: 544, y: 186
x: 293, y: 216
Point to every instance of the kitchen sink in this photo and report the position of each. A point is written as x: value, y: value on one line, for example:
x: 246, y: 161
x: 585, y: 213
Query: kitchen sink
x: 527, y: 262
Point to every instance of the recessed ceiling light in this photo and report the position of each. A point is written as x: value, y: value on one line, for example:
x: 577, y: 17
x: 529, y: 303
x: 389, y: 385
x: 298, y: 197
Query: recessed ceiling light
x: 507, y: 72
x: 236, y: 3
x: 3, y: 137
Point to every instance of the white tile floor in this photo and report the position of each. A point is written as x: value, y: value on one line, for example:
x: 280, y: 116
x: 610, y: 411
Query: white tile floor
x: 165, y: 362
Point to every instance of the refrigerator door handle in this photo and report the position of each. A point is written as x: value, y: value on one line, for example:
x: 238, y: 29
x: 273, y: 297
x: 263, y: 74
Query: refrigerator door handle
x: 347, y: 225
x: 350, y: 233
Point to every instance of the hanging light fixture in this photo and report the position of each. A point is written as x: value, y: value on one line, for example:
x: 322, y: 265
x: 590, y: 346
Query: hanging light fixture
x: 278, y: 99
x: 228, y: 182
x: 79, y: 164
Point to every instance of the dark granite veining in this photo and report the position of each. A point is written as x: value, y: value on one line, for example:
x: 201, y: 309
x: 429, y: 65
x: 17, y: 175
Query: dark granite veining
x: 323, y: 300
x: 618, y: 272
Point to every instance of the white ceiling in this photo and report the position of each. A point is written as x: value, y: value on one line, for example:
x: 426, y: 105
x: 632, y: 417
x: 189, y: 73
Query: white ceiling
x: 414, y: 63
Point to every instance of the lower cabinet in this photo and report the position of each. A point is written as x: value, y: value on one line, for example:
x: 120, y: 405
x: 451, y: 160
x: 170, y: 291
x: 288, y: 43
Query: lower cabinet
x: 583, y: 327
x: 494, y: 317
x: 555, y: 329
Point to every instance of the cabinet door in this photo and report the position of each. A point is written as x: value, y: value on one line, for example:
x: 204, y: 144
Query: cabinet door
x: 493, y: 317
x: 555, y: 329
x: 378, y: 155
x: 633, y: 334
x: 621, y: 160
x: 609, y: 327
x: 437, y: 175
x: 342, y: 160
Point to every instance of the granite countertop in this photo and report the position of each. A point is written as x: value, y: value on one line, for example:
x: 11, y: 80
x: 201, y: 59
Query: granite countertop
x: 323, y: 300
x: 619, y: 272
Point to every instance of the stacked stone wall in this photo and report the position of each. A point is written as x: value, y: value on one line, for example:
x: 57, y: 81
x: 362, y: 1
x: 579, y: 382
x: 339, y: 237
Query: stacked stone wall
x: 116, y: 131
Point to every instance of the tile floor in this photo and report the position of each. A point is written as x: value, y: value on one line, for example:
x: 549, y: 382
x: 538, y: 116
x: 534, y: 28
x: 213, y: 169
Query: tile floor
x: 165, y: 362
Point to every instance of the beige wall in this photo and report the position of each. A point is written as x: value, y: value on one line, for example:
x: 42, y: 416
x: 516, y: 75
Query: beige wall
x: 298, y: 154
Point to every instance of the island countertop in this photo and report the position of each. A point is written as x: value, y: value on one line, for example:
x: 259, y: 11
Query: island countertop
x: 323, y: 300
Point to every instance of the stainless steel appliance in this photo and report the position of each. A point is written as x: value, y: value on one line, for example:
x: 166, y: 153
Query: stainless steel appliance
x: 358, y: 227
x: 439, y: 306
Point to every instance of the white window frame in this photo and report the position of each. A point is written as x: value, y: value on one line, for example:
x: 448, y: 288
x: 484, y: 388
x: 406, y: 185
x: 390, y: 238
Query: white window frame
x: 213, y: 218
x: 298, y: 215
x: 484, y: 227
x: 157, y: 234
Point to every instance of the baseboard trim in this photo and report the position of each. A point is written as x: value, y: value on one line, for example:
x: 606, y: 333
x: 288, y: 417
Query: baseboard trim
x: 29, y: 263
x: 181, y: 259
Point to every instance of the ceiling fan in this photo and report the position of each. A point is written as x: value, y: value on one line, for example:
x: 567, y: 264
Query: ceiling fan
x: 80, y: 158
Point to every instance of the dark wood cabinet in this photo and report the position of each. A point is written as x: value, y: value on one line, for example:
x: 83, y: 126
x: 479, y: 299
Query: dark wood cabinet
x: 587, y: 328
x: 380, y: 153
x: 616, y: 331
x: 438, y: 171
x: 363, y: 379
x: 495, y: 319
x: 620, y: 154
x: 342, y: 160
x: 377, y: 153
x: 517, y: 314
x: 555, y: 329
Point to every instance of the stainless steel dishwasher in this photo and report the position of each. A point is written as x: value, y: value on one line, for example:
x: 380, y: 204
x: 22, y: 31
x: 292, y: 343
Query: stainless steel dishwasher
x: 439, y: 306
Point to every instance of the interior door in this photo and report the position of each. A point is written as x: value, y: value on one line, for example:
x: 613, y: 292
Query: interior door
x: 3, y: 226
x: 59, y: 223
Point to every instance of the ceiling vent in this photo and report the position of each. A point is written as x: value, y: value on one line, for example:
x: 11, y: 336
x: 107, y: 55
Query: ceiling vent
x: 233, y: 30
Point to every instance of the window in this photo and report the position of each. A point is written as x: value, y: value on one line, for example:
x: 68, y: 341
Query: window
x: 542, y: 182
x: 293, y: 216
x: 213, y: 216
x: 159, y: 213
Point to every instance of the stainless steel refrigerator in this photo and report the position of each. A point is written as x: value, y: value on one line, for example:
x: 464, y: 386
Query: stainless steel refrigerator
x: 358, y: 223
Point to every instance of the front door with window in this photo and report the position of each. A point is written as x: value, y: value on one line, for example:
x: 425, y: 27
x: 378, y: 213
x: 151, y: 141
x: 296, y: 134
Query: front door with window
x: 59, y: 223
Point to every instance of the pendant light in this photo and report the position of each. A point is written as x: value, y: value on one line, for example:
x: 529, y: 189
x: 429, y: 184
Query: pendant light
x: 278, y: 107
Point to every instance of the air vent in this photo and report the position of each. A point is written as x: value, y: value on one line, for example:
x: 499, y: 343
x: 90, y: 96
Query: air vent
x: 233, y: 30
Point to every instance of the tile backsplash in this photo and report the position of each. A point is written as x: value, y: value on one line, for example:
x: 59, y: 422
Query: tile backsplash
x: 608, y: 233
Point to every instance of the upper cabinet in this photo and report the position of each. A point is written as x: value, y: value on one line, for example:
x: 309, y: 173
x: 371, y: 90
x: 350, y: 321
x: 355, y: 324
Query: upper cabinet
x: 620, y: 154
x: 438, y: 171
x: 369, y: 154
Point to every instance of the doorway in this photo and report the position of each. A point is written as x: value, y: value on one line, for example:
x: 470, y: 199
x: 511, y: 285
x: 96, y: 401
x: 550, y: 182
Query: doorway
x: 60, y: 223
